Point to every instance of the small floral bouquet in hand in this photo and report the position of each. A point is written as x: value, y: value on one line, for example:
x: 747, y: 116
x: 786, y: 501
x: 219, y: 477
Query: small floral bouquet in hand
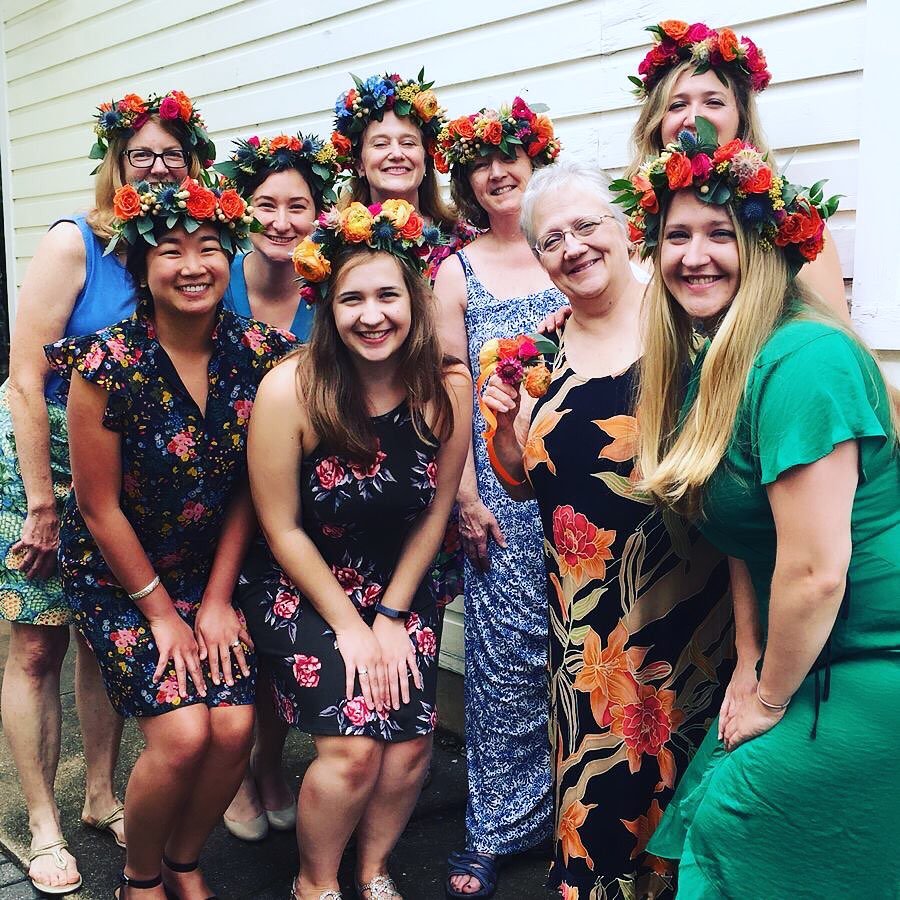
x: 514, y: 361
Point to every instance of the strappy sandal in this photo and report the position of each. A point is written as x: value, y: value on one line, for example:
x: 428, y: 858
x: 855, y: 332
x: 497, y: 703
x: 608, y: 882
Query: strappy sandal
x: 481, y: 866
x: 106, y: 823
x: 325, y: 895
x: 55, y: 850
x: 181, y: 868
x: 381, y: 887
x: 140, y: 884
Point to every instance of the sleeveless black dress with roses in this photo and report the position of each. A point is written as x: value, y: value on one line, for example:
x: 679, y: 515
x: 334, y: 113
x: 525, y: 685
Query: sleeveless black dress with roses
x: 358, y: 516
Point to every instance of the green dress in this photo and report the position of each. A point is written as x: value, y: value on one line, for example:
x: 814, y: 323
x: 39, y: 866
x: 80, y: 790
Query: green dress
x: 811, y: 808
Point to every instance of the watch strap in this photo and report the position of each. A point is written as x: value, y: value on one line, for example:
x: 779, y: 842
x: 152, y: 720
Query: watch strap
x: 402, y: 614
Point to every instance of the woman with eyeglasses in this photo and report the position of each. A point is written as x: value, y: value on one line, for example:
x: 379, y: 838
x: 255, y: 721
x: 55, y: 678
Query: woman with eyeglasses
x: 640, y: 617
x: 69, y: 288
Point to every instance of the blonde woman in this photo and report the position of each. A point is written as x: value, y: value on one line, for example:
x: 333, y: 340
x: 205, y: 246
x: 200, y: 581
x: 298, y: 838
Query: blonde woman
x: 70, y: 288
x: 785, y: 449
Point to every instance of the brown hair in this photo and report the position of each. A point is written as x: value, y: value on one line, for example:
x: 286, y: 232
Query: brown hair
x: 330, y: 388
x: 111, y: 172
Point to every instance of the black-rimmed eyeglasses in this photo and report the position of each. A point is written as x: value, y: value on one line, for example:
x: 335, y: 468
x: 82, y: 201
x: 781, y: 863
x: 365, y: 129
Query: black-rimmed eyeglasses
x: 144, y: 159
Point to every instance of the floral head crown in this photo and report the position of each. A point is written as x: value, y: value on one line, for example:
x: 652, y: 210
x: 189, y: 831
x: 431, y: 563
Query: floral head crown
x: 706, y: 48
x: 131, y: 113
x: 736, y: 174
x: 393, y: 227
x: 310, y: 154
x: 370, y: 99
x: 481, y: 133
x: 144, y: 211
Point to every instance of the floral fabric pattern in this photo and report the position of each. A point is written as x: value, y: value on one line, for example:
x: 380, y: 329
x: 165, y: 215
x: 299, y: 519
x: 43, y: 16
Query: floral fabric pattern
x: 358, y: 515
x: 180, y: 468
x: 641, y: 639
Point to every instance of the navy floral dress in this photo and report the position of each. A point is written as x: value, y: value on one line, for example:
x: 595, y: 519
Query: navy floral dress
x: 180, y: 468
x: 359, y: 516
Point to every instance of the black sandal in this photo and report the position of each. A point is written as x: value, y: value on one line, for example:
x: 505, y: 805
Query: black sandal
x: 181, y: 868
x: 140, y: 884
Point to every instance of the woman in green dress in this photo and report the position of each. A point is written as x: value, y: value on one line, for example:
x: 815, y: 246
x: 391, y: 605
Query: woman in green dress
x: 785, y: 450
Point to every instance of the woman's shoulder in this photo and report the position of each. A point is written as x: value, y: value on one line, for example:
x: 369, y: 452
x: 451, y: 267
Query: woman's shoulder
x: 809, y: 339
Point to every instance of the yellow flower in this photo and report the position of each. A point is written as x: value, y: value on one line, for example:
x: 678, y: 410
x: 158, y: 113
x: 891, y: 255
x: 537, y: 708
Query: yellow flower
x: 490, y: 353
x: 327, y: 154
x: 398, y: 211
x: 356, y: 225
x: 309, y: 261
x: 408, y: 92
x: 426, y: 105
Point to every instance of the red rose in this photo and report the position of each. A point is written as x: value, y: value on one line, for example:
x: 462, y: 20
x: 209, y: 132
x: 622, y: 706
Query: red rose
x: 286, y: 603
x: 635, y: 235
x: 169, y: 109
x: 330, y: 473
x: 760, y: 182
x: 812, y: 224
x: 361, y: 470
x: 649, y: 201
x: 371, y: 594
x: 426, y: 642
x: 201, y: 201
x: 790, y: 231
x: 812, y: 247
x: 232, y: 204
x: 679, y: 171
x: 493, y: 132
x: 349, y: 579
x: 441, y: 163
x: 350, y: 98
x: 727, y: 151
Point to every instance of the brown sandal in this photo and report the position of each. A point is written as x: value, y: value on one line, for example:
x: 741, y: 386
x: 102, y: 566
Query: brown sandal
x: 106, y: 823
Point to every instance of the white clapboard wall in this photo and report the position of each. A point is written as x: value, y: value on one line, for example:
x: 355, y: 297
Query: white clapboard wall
x: 262, y: 66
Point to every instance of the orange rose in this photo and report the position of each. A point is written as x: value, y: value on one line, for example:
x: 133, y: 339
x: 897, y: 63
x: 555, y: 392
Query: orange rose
x: 507, y: 348
x: 132, y: 103
x: 356, y: 223
x: 674, y: 28
x: 679, y: 171
x: 295, y: 144
x: 790, y: 231
x: 340, y: 143
x: 727, y: 151
x: 649, y: 202
x: 232, y: 204
x: 493, y: 132
x: 201, y: 201
x: 126, y: 203
x: 398, y: 211
x: 309, y: 261
x: 425, y: 105
x: 279, y: 141
x: 760, y: 182
x: 185, y: 106
x: 441, y: 164
x: 728, y: 44
x: 412, y: 230
x: 542, y: 127
x: 463, y: 128
x: 537, y: 381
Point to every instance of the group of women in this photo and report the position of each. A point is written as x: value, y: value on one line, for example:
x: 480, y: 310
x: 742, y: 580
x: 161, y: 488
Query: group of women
x: 684, y: 505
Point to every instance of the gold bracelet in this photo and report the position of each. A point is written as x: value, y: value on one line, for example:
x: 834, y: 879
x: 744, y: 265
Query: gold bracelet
x: 144, y: 591
x: 775, y: 707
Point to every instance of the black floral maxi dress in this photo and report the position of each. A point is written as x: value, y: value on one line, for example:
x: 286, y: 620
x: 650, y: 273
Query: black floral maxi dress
x: 641, y: 635
x: 359, y: 516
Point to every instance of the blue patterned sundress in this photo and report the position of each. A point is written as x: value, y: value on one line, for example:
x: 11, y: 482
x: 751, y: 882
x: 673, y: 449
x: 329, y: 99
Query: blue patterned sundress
x: 509, y: 806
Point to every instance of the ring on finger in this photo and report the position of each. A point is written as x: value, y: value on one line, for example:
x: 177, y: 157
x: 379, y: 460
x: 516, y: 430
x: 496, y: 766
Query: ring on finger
x: 236, y: 642
x: 363, y: 673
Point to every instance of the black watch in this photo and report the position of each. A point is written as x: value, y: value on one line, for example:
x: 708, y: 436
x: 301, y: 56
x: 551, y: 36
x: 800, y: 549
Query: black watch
x: 402, y: 614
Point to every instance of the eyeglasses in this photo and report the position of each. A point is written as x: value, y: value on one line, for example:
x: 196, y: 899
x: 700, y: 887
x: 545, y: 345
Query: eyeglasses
x: 144, y: 159
x: 553, y: 241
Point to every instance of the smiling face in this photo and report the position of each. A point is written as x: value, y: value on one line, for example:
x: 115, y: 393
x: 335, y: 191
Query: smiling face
x: 187, y: 274
x: 700, y: 95
x: 582, y: 267
x: 392, y: 158
x: 284, y: 205
x: 153, y: 137
x: 498, y: 182
x: 372, y: 308
x: 699, y: 257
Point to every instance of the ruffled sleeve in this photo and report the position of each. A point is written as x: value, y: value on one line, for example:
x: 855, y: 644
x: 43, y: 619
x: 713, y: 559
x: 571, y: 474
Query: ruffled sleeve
x: 104, y: 358
x: 818, y: 390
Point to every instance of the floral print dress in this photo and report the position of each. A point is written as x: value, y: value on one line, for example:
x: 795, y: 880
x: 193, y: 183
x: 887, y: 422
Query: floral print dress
x: 359, y: 515
x: 641, y: 635
x: 180, y: 468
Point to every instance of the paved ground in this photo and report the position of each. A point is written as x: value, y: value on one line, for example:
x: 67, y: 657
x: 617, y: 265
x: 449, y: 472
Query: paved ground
x: 237, y: 870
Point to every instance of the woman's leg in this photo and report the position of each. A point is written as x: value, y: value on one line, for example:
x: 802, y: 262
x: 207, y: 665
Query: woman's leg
x: 32, y: 717
x: 101, y: 735
x: 403, y: 768
x: 271, y: 733
x: 231, y: 734
x: 160, y: 787
x: 335, y: 791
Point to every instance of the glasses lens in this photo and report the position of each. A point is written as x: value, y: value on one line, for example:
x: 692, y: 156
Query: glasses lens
x: 550, y: 243
x: 586, y: 228
x: 141, y: 159
x: 174, y: 158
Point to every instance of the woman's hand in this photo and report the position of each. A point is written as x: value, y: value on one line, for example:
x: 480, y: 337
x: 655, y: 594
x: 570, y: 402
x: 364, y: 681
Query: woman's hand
x: 476, y: 525
x: 742, y: 685
x: 39, y: 543
x: 220, y: 631
x: 750, y: 719
x: 555, y: 322
x: 503, y: 400
x: 399, y: 658
x: 362, y: 653
x: 175, y: 641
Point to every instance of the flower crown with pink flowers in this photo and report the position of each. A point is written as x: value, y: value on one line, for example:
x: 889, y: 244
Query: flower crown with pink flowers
x: 519, y: 125
x: 707, y: 48
x: 393, y: 227
x: 738, y: 175
x: 131, y: 113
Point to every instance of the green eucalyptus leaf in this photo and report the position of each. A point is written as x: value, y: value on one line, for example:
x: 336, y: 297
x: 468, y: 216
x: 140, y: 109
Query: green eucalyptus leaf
x: 402, y: 107
x: 190, y: 224
x: 171, y: 221
x: 150, y: 238
x: 98, y: 151
x: 145, y: 224
x: 539, y: 107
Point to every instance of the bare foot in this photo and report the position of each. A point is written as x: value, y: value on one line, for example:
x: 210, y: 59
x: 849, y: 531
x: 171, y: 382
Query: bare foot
x: 468, y: 884
x: 109, y: 817
x: 45, y: 870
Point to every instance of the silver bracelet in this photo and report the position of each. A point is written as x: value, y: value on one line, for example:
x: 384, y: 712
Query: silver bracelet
x: 776, y: 707
x: 144, y: 591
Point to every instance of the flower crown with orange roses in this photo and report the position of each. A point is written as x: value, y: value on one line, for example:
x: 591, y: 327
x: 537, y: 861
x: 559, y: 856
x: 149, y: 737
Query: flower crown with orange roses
x: 464, y: 139
x: 738, y: 175
x: 145, y: 211
x: 707, y: 48
x: 371, y: 99
x: 320, y: 159
x: 393, y: 226
x: 131, y: 113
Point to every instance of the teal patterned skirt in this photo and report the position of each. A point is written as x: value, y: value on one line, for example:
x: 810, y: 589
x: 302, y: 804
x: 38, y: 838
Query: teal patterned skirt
x: 34, y: 602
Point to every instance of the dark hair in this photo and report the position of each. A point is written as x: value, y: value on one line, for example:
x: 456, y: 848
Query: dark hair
x: 331, y: 389
x: 248, y: 184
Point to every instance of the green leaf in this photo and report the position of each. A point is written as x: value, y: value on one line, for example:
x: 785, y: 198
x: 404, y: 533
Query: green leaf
x: 817, y: 189
x: 402, y: 107
x: 622, y: 487
x: 586, y: 605
x: 190, y: 224
x: 655, y: 29
x: 707, y: 136
x: 545, y: 345
x: 98, y: 151
x: 172, y: 220
x: 111, y: 245
x: 320, y: 170
x: 421, y: 76
x: 144, y: 224
x: 150, y: 238
x: 577, y: 635
x: 228, y: 169
x: 636, y: 81
x: 539, y: 107
x: 357, y: 81
x: 621, y: 184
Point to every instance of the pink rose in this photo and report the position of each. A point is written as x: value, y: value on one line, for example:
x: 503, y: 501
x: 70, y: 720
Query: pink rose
x: 431, y: 472
x: 701, y: 166
x: 330, y: 473
x: 413, y: 622
x: 697, y: 32
x: 285, y: 605
x: 169, y: 109
x: 370, y: 595
x: 349, y: 579
x: 253, y: 142
x: 306, y: 670
x: 362, y: 471
x: 427, y: 642
x: 357, y: 712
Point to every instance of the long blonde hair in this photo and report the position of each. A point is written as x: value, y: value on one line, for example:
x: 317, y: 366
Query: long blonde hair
x: 677, y: 458
x: 646, y: 136
x: 111, y: 173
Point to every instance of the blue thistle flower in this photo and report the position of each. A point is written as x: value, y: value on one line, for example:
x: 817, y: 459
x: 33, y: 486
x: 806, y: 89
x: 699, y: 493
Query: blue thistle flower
x: 688, y: 139
x: 383, y: 232
x: 431, y: 233
x: 281, y: 158
x: 110, y: 119
x: 307, y: 146
x: 166, y: 198
x: 756, y: 209
x: 244, y: 155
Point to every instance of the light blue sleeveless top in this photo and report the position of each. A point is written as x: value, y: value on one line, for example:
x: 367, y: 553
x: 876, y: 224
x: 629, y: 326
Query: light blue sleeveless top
x: 108, y: 296
x: 238, y: 300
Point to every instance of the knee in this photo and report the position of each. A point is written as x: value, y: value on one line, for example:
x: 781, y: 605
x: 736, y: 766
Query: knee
x: 413, y: 756
x: 38, y: 650
x: 184, y: 745
x: 358, y: 762
x: 232, y: 731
